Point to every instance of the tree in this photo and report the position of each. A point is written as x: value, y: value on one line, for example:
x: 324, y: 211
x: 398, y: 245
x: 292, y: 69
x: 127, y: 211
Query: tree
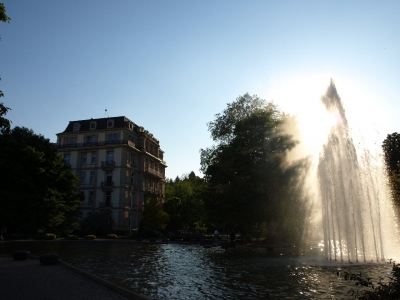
x: 37, y: 190
x: 250, y: 183
x: 98, y: 223
x: 4, y: 123
x: 153, y: 216
x: 391, y: 152
x: 3, y: 16
x: 184, y: 202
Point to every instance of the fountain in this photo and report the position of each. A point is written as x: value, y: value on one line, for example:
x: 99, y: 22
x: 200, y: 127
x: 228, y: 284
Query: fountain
x: 351, y: 191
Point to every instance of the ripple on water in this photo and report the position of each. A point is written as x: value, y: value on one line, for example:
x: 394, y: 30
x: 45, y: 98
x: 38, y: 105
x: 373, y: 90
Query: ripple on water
x: 170, y: 271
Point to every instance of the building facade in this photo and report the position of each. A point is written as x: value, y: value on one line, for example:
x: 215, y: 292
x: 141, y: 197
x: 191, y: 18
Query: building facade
x: 119, y: 164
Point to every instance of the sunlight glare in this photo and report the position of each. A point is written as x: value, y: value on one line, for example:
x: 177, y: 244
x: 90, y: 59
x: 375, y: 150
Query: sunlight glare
x: 300, y: 96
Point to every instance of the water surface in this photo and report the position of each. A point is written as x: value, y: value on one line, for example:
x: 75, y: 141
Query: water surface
x: 176, y: 271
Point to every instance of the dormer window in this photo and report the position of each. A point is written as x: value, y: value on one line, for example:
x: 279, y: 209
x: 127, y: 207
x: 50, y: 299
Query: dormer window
x: 93, y: 125
x: 77, y: 126
x: 131, y: 125
x: 110, y: 123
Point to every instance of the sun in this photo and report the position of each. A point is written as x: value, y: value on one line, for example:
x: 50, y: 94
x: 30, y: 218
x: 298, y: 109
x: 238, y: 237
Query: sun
x: 300, y: 96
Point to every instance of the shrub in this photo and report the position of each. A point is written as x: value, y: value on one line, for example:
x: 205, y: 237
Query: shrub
x: 99, y: 223
x: 111, y: 236
x: 381, y: 290
x: 90, y: 237
x: 73, y: 237
x: 50, y: 236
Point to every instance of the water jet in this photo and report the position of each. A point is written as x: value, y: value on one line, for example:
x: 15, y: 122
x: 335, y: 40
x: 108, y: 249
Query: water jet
x: 351, y: 192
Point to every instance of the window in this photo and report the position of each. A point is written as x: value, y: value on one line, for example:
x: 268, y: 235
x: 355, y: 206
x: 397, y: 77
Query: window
x: 83, y: 196
x: 132, y: 177
x: 110, y: 124
x: 92, y: 177
x: 91, y: 197
x: 83, y: 177
x: 84, y: 158
x: 108, y: 178
x: 93, y: 125
x: 108, y: 199
x: 70, y: 140
x: 112, y: 138
x: 90, y: 139
x: 131, y: 158
x: 67, y: 158
x: 110, y: 156
x: 77, y: 126
x: 93, y: 162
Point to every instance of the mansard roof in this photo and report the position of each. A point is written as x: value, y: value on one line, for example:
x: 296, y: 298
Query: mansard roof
x: 101, y: 124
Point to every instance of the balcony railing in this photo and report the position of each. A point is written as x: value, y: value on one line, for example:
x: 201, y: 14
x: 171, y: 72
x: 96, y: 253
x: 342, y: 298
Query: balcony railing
x: 86, y: 185
x: 88, y: 165
x: 107, y: 184
x: 97, y: 144
x: 152, y: 190
x: 154, y: 172
x: 108, y: 163
x: 105, y: 205
x: 105, y: 143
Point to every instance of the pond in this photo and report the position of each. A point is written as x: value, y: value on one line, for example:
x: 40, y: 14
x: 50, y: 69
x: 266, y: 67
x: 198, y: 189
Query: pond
x: 182, y: 271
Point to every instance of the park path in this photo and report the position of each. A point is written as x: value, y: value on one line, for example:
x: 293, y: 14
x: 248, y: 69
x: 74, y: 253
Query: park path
x: 28, y: 279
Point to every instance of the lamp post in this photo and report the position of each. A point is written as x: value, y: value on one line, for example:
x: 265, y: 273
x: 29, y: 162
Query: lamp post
x: 130, y: 219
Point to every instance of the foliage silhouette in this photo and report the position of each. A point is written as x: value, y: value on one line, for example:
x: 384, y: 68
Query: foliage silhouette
x: 250, y: 182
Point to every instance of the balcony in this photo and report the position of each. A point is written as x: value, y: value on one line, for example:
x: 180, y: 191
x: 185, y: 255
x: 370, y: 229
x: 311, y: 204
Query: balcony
x: 108, y: 165
x: 154, y: 172
x: 88, y: 185
x: 105, y: 205
x: 96, y: 144
x: 131, y: 186
x: 150, y: 189
x: 107, y: 185
x: 88, y: 165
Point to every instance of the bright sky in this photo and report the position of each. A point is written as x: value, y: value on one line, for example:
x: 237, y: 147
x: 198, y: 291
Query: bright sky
x: 170, y: 66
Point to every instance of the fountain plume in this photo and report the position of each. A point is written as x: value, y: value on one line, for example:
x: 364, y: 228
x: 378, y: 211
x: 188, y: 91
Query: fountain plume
x: 350, y: 197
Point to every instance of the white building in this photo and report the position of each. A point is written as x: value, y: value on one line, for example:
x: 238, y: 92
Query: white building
x: 120, y: 165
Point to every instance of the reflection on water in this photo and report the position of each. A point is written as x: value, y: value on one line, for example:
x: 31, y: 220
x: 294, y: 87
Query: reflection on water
x: 171, y: 271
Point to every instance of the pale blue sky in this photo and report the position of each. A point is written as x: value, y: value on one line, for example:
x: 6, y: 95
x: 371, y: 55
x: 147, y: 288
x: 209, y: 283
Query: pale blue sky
x: 170, y: 66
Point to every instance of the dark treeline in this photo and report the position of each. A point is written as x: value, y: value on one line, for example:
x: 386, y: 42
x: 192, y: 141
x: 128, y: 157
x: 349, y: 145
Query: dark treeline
x: 248, y: 187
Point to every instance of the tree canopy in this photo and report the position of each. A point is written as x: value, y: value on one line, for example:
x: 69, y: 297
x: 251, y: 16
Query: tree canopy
x: 250, y: 183
x: 154, y: 217
x: 98, y: 223
x: 3, y: 16
x: 391, y: 152
x: 37, y: 190
x: 184, y: 202
x: 4, y: 123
